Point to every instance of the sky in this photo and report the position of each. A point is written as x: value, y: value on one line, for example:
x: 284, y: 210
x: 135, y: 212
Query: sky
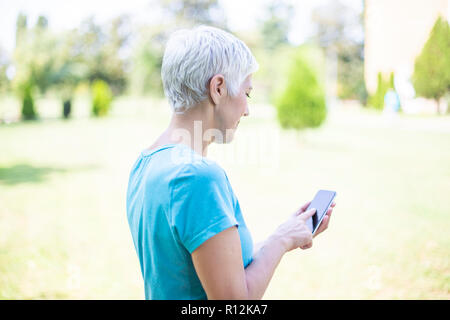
x: 241, y: 15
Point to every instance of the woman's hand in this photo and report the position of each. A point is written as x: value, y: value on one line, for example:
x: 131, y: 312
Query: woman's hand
x: 326, y: 220
x: 295, y: 233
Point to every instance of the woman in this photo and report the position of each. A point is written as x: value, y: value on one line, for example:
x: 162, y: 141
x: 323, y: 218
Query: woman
x: 185, y: 220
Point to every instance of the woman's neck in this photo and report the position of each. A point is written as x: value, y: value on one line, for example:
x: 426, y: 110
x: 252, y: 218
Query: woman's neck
x: 189, y: 128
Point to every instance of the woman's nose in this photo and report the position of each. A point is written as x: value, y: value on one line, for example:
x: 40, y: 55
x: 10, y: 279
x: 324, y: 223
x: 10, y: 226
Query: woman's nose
x: 247, y: 112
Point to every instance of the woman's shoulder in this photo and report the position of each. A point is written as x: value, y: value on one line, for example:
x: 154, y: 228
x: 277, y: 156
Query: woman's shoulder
x: 197, y: 171
x: 201, y: 168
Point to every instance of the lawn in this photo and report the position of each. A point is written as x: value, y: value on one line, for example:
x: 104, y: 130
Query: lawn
x: 63, y: 227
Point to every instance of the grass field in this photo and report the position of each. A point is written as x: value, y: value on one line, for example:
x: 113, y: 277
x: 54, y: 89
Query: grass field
x: 63, y: 227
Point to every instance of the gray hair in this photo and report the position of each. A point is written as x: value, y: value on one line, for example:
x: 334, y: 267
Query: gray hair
x: 193, y: 56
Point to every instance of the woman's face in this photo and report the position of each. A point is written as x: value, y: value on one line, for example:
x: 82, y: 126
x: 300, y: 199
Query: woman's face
x: 228, y: 115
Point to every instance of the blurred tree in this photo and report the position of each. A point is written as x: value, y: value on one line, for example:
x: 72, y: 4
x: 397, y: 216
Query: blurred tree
x: 4, y: 65
x: 148, y: 50
x: 275, y: 27
x: 101, y: 47
x: 28, y: 110
x: 101, y: 98
x: 69, y: 69
x: 21, y: 27
x: 187, y: 13
x: 42, y: 23
x: 145, y: 73
x: 269, y: 43
x: 339, y: 31
x: 271, y: 76
x: 431, y: 78
x: 44, y: 59
x: 33, y: 62
x: 376, y: 100
x: 302, y: 103
x: 350, y: 72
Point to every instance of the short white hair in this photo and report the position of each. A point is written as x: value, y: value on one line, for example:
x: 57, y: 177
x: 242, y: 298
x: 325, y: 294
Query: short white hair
x: 193, y: 56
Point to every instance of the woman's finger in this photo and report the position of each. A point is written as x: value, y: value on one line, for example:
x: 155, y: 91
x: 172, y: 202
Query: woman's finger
x: 323, y: 225
x: 305, y: 206
x: 329, y: 212
x: 307, y: 214
x: 306, y: 246
x: 302, y: 208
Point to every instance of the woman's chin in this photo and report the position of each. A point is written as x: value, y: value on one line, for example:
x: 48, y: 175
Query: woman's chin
x: 229, y: 135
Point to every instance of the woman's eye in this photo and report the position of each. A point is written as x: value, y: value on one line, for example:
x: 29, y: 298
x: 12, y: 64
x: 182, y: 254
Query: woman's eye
x: 248, y: 95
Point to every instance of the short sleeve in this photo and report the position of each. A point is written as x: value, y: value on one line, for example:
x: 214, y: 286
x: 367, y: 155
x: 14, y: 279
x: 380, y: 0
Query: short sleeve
x: 201, y: 205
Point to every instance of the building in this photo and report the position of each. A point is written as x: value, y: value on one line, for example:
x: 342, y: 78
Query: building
x: 395, y: 32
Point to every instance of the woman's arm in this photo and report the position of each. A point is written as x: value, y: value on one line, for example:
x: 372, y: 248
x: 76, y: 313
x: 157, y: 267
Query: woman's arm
x: 219, y: 266
x: 260, y: 271
x: 218, y: 263
x: 257, y: 247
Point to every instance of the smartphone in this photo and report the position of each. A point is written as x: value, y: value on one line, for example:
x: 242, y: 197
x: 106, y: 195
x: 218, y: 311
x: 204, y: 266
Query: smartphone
x: 322, y: 202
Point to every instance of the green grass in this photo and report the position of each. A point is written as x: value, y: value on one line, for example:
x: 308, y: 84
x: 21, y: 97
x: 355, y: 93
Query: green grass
x: 63, y: 227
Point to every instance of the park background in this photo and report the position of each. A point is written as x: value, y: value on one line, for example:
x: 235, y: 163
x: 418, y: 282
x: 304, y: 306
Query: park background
x: 350, y: 96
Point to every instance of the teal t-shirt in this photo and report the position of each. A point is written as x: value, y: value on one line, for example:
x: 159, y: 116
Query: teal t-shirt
x: 176, y: 200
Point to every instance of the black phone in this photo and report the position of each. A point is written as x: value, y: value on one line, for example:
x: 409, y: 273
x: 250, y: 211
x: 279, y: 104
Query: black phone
x: 322, y: 202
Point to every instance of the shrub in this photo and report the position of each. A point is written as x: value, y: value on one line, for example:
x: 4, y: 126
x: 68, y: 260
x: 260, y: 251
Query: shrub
x: 67, y: 108
x: 28, y: 111
x: 377, y: 99
x: 302, y: 103
x: 102, y: 97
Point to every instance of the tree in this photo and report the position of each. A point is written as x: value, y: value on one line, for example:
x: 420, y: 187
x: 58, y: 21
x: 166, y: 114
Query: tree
x: 339, y: 31
x: 101, y: 48
x: 431, y: 77
x: 302, y: 104
x: 21, y: 27
x: 4, y: 64
x: 145, y: 71
x: 42, y: 23
x: 28, y: 110
x: 383, y: 85
x: 350, y: 74
x: 187, y: 13
x: 275, y: 27
x: 69, y: 69
x: 148, y: 50
x: 101, y: 98
x: 33, y: 62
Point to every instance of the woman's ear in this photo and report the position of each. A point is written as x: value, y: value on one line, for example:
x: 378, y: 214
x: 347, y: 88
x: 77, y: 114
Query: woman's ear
x: 217, y: 88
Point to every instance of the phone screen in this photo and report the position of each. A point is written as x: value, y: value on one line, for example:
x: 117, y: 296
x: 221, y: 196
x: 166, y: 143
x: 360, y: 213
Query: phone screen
x: 322, y: 201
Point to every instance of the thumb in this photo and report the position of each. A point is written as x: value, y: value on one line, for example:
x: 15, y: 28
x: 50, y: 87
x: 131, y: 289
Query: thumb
x: 308, y: 214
